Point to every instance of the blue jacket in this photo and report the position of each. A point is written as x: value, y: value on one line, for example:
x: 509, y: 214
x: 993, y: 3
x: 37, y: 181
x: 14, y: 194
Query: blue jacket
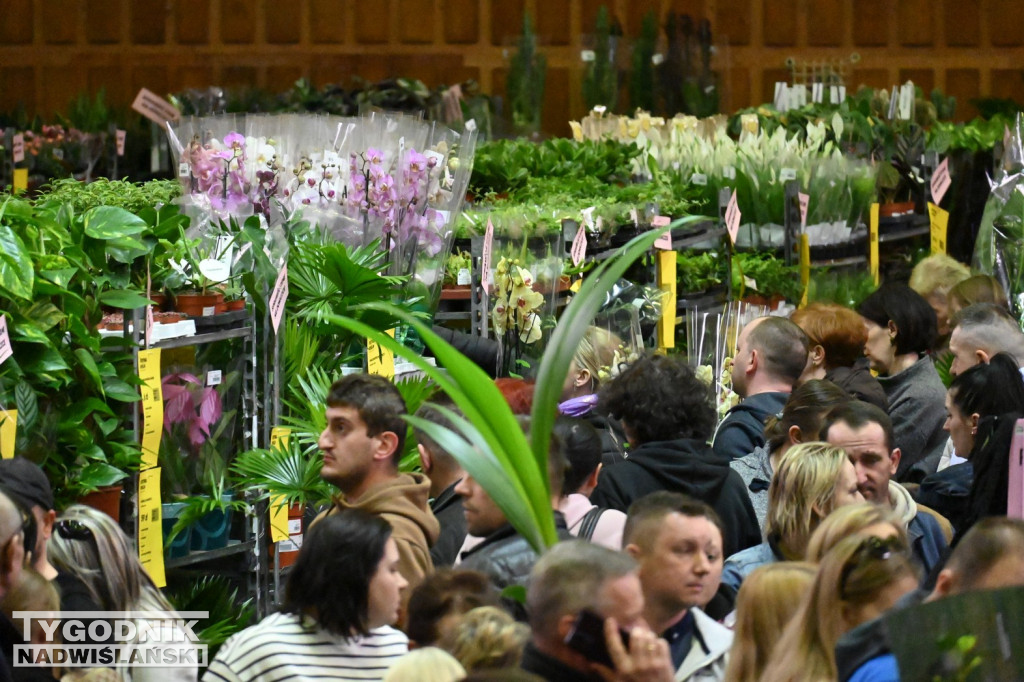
x: 742, y: 430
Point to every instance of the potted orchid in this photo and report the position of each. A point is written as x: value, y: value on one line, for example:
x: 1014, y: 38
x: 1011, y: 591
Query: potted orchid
x: 516, y: 313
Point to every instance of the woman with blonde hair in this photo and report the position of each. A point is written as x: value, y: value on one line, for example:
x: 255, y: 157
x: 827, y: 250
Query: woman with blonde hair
x: 858, y: 580
x: 812, y: 480
x: 764, y: 606
x: 865, y: 518
x: 593, y: 362
x: 428, y: 664
x: 487, y: 638
x: 933, y: 277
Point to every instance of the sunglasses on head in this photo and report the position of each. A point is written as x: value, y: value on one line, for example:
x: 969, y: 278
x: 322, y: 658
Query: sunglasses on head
x: 70, y: 529
x: 871, y: 549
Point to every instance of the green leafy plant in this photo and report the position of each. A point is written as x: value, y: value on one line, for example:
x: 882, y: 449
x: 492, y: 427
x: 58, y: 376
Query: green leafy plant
x: 227, y: 612
x: 287, y: 472
x: 488, y: 442
x: 196, y: 507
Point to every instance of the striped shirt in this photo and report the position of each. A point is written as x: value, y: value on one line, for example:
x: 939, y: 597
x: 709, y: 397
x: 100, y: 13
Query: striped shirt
x: 280, y: 648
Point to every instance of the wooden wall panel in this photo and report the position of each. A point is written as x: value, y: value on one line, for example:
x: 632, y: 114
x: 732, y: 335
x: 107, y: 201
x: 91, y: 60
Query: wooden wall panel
x: 52, y: 50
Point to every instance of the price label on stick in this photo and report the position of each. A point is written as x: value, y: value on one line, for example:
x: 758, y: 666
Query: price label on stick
x: 579, y: 245
x: 940, y: 181
x: 8, y: 432
x: 380, y: 360
x: 278, y: 298
x: 664, y: 242
x: 155, y: 108
x: 805, y: 201
x: 485, y: 258
x: 18, y: 148
x: 732, y: 217
x: 5, y: 340
x: 939, y: 219
x: 119, y: 136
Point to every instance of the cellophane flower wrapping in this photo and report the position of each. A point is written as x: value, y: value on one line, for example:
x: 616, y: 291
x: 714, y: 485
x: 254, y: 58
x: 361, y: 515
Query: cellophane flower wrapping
x: 213, y: 165
x: 999, y: 247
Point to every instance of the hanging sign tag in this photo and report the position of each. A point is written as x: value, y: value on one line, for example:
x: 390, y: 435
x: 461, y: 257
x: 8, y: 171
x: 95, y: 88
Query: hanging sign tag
x: 579, y: 245
x: 8, y: 432
x: 805, y: 201
x: 278, y: 298
x: 939, y: 219
x: 732, y: 217
x: 873, y: 244
x: 380, y: 360
x: 279, y: 436
x: 119, y: 136
x: 152, y: 406
x: 940, y: 181
x: 151, y: 534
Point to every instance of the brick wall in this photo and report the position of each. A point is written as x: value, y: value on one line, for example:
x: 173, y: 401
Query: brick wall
x: 52, y: 50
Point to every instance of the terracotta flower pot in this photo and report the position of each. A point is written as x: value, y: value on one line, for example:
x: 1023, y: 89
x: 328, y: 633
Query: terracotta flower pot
x: 107, y: 500
x: 289, y: 549
x: 237, y: 304
x: 198, y: 305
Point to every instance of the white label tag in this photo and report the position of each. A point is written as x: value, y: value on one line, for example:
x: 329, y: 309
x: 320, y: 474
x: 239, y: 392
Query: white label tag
x: 699, y: 179
x: 5, y: 340
x: 657, y: 58
x: 842, y: 94
x: 818, y: 92
x: 588, y: 55
x: 213, y: 377
x: 209, y: 310
x: 464, y: 278
x: 787, y: 174
x: 485, y: 259
x: 833, y: 94
x: 781, y: 98
x: 183, y: 170
x: 729, y: 172
x: 278, y: 298
x: 18, y: 148
x: 214, y: 270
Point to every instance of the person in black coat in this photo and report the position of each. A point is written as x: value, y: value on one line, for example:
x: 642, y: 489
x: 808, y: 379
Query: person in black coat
x: 668, y: 416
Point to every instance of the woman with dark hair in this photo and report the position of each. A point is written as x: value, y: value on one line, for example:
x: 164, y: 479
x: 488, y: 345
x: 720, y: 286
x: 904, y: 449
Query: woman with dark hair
x: 982, y: 404
x: 901, y: 330
x: 799, y: 422
x: 343, y: 594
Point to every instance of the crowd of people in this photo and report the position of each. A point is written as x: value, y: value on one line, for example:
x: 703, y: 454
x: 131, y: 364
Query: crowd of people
x: 847, y: 484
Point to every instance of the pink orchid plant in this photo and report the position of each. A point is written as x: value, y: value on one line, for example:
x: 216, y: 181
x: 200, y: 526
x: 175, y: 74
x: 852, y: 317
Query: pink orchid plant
x: 180, y: 390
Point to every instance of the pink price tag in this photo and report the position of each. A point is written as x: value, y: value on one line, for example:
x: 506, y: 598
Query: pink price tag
x: 149, y: 325
x: 732, y: 217
x: 664, y: 242
x: 5, y: 341
x: 940, y: 181
x: 579, y: 245
x: 278, y: 298
x: 119, y: 137
x: 804, y: 201
x: 485, y: 259
x: 155, y: 108
x: 18, y: 148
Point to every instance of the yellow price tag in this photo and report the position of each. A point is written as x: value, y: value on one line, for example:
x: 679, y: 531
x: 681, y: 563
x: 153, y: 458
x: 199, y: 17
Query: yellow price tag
x: 939, y: 219
x: 8, y: 430
x: 151, y: 533
x: 805, y: 267
x: 873, y: 244
x: 152, y: 406
x: 667, y: 282
x: 279, y: 436
x: 380, y: 360
x: 20, y: 179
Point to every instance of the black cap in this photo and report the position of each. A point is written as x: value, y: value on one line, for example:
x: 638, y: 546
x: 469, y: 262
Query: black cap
x: 24, y: 480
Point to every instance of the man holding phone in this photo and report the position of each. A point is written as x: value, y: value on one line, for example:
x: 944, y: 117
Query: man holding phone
x: 566, y: 643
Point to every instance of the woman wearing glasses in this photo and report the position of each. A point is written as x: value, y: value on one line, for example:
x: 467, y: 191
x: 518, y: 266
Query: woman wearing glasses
x: 91, y: 546
x: 859, y: 579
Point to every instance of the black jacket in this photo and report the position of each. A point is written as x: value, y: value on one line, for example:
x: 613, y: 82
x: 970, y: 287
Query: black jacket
x: 551, y: 669
x: 742, y: 430
x: 507, y: 559
x: 685, y: 466
x: 947, y: 491
x: 859, y: 383
x: 447, y: 508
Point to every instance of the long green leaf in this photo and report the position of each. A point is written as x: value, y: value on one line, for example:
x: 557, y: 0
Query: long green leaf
x: 88, y: 363
x: 123, y: 298
x: 110, y: 222
x: 17, y: 274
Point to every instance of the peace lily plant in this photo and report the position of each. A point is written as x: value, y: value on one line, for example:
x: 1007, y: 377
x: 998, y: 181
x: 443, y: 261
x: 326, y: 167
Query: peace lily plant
x: 488, y: 441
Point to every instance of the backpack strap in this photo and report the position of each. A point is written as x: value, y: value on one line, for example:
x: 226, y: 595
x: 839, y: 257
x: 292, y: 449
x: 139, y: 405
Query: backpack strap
x: 589, y: 523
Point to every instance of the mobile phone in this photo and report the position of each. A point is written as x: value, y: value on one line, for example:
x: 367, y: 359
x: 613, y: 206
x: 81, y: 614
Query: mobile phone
x: 587, y: 637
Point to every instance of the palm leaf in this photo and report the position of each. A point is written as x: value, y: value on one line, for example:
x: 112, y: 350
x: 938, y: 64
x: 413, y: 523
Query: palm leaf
x: 283, y: 472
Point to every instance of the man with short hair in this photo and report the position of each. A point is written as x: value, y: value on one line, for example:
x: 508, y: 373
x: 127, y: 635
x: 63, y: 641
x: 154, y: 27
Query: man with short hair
x: 362, y: 445
x: 504, y: 555
x: 864, y: 431
x: 771, y: 354
x: 981, y: 331
x: 444, y: 473
x: 576, y: 575
x: 677, y: 542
